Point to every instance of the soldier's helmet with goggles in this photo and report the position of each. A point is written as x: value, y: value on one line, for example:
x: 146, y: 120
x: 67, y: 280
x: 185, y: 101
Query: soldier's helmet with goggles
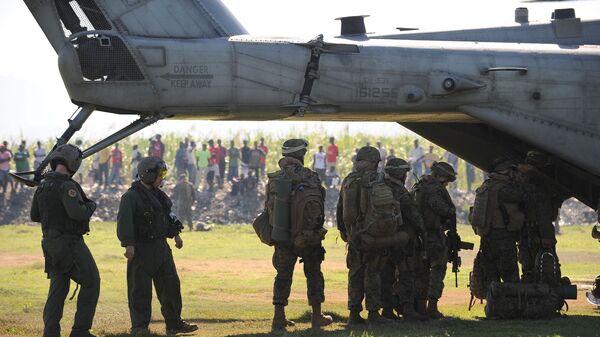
x: 501, y: 164
x: 151, y: 168
x: 442, y: 169
x: 292, y: 146
x: 368, y: 153
x: 68, y: 155
x: 397, y: 166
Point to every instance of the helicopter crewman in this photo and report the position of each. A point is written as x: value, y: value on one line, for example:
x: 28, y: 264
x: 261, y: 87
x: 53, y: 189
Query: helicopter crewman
x: 62, y: 207
x: 144, y: 222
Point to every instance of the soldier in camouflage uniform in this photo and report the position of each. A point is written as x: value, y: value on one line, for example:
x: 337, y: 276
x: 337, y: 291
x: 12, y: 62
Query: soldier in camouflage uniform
x: 500, y: 227
x: 184, y: 195
x: 64, y: 211
x: 311, y: 253
x: 543, y: 204
x: 144, y: 223
x: 400, y: 269
x: 437, y: 209
x: 364, y: 264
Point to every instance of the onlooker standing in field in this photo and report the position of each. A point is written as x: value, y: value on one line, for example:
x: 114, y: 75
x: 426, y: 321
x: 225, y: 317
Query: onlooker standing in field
x: 391, y: 156
x: 202, y: 157
x: 416, y: 159
x: 136, y: 157
x: 255, y: 156
x: 117, y: 163
x: 213, y: 164
x: 452, y: 159
x: 383, y: 155
x: 181, y: 160
x: 332, y: 155
x: 221, y: 155
x: 21, y: 161
x: 103, y: 166
x: 319, y: 164
x: 234, y: 158
x: 429, y: 158
x: 5, y: 157
x: 470, y: 171
x: 9, y: 179
x: 184, y: 195
x: 192, y: 167
x: 149, y: 257
x: 263, y: 159
x: 62, y: 207
x: 244, y: 165
x: 39, y: 154
x: 157, y: 148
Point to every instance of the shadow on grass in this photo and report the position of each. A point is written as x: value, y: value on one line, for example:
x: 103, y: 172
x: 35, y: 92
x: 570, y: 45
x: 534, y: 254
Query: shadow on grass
x: 576, y: 325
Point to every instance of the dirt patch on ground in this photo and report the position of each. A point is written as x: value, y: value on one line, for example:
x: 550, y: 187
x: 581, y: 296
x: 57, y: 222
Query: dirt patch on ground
x: 19, y: 260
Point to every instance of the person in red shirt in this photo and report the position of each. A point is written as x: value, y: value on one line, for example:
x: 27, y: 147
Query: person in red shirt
x: 332, y: 155
x: 117, y: 163
x: 213, y: 165
x: 263, y: 158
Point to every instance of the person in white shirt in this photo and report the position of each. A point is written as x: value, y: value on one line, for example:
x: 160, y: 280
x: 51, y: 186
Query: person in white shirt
x: 192, y: 167
x: 319, y: 163
x: 416, y: 159
x: 39, y: 154
x: 383, y: 155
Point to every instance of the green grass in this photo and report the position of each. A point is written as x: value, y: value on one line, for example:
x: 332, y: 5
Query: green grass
x: 227, y: 279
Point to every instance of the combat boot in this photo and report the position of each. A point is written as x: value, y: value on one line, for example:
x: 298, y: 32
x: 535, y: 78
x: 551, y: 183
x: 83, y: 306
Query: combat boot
x: 432, y: 310
x: 410, y: 314
x: 389, y: 314
x: 422, y: 307
x: 355, y: 319
x: 319, y: 320
x: 82, y: 333
x: 376, y: 318
x: 280, y: 322
x: 181, y: 327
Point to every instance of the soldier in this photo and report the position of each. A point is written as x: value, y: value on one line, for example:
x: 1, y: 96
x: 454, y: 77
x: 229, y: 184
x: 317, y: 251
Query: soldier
x: 403, y: 260
x: 184, y: 195
x: 437, y: 209
x: 543, y: 204
x: 498, y: 218
x: 369, y: 237
x: 144, y: 222
x: 306, y: 245
x: 64, y: 211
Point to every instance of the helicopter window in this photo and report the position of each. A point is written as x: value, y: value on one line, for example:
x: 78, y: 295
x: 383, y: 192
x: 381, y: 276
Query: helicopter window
x: 81, y: 15
x: 106, y: 58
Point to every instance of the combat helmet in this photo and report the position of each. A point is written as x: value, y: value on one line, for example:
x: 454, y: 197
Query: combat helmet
x: 444, y: 169
x: 150, y: 168
x: 397, y: 166
x: 502, y: 164
x: 368, y: 153
x: 68, y: 155
x: 291, y: 146
x: 537, y: 159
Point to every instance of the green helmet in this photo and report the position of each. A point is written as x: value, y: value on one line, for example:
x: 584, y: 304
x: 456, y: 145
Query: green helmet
x: 537, y: 159
x: 368, y: 153
x: 502, y: 164
x: 397, y: 166
x: 150, y: 168
x: 68, y: 155
x: 444, y: 169
x: 293, y: 145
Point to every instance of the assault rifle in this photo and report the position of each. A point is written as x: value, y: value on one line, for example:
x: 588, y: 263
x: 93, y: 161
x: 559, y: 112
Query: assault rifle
x: 455, y: 245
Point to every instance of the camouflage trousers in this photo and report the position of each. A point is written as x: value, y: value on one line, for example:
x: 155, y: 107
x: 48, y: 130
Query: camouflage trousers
x: 364, y: 278
x: 398, y: 281
x: 430, y: 273
x: 284, y: 261
x: 499, y: 257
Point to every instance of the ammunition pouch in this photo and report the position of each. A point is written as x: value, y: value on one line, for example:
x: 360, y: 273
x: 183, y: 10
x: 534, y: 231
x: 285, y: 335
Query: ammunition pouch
x: 307, y: 238
x: 397, y: 240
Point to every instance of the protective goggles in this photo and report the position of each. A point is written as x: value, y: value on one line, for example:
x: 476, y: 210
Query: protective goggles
x: 162, y: 170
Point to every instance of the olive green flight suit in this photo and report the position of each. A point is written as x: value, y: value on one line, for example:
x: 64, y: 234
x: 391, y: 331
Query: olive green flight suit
x: 61, y: 206
x: 436, y: 207
x: 144, y: 222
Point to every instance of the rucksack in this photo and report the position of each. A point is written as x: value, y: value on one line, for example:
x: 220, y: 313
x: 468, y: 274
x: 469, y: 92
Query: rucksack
x: 479, y: 211
x: 263, y: 228
x: 378, y: 213
x: 522, y: 300
x: 477, y: 284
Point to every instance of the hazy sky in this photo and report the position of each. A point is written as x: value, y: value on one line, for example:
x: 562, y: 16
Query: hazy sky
x: 34, y: 103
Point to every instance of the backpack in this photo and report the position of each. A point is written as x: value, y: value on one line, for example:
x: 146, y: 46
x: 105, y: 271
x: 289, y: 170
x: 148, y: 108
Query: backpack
x: 522, y: 300
x: 477, y: 284
x: 479, y: 211
x: 263, y: 228
x: 376, y: 212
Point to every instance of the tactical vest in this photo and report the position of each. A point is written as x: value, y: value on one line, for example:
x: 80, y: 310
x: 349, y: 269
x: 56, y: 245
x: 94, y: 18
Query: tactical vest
x: 151, y: 220
x: 54, y: 216
x: 489, y: 212
x: 421, y: 192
